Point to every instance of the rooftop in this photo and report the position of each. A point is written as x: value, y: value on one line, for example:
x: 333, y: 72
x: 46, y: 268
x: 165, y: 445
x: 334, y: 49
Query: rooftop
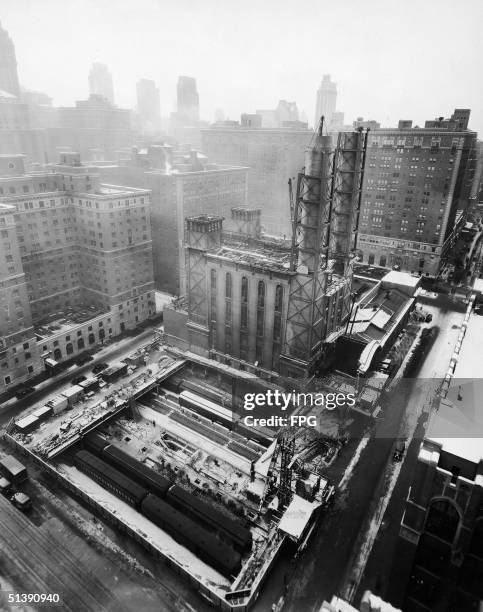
x: 62, y: 321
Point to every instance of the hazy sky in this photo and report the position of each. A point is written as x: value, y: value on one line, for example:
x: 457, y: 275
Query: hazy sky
x: 391, y: 60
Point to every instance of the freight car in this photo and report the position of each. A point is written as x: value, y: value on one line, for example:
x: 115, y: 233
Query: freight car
x: 185, y: 531
x: 154, y: 482
x: 110, y: 478
x: 204, y: 513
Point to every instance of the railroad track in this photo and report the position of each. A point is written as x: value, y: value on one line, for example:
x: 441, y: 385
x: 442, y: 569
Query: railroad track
x: 44, y: 566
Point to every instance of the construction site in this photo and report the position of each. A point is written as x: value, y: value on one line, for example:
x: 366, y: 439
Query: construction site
x: 157, y: 446
x: 157, y: 443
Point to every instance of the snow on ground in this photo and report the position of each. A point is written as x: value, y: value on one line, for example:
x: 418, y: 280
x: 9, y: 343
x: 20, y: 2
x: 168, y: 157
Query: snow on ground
x: 148, y: 530
x: 350, y: 468
x: 195, y: 438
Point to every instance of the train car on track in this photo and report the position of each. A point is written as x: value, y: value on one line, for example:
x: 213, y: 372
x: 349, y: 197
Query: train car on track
x: 185, y: 531
x: 110, y: 478
x: 154, y: 482
x: 210, y: 517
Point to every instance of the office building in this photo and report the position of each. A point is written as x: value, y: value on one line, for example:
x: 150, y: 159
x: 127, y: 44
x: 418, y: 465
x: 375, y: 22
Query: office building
x: 148, y: 105
x: 326, y: 99
x: 182, y: 183
x: 187, y: 100
x: 273, y: 156
x: 77, y: 262
x: 415, y: 181
x: 100, y: 82
x: 8, y: 65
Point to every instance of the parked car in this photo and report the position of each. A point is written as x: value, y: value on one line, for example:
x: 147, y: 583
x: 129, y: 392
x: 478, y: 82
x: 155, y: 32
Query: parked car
x: 99, y: 367
x: 78, y: 380
x: 84, y: 359
x: 24, y: 391
x: 399, y: 450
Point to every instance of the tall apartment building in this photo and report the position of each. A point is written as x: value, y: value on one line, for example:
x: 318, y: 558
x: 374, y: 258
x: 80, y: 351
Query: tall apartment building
x: 100, y: 82
x: 148, y: 106
x: 8, y: 65
x: 79, y: 251
x: 325, y: 101
x: 182, y: 183
x: 415, y: 181
x: 273, y: 155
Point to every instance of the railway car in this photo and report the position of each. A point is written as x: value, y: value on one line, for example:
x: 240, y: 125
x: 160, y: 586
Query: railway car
x: 154, y: 482
x: 210, y: 517
x: 208, y: 409
x: 110, y: 478
x: 185, y: 531
x: 94, y: 443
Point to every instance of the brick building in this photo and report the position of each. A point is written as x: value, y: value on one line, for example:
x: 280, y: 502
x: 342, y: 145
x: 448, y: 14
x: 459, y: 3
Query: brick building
x: 78, y: 250
x: 415, y: 181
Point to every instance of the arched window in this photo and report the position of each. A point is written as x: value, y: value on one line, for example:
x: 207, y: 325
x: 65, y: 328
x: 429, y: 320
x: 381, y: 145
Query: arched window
x: 80, y: 343
x: 91, y: 338
x: 57, y: 354
x: 442, y: 520
x: 228, y: 285
x: 261, y: 295
x: 278, y: 298
x: 69, y: 349
x: 244, y: 289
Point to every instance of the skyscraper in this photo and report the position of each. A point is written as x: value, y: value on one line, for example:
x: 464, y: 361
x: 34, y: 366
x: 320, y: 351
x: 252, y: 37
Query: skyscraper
x: 188, y: 102
x: 8, y: 65
x: 326, y: 100
x: 100, y: 81
x: 148, y: 104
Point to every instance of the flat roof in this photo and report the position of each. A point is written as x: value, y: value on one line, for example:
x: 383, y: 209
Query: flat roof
x: 297, y: 516
x: 469, y: 361
x: 401, y: 278
x: 457, y: 425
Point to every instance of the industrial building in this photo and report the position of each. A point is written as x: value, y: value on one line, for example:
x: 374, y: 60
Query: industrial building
x: 266, y: 304
x: 416, y: 180
x: 76, y: 262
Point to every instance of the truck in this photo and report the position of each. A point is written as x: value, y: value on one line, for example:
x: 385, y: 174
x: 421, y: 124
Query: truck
x: 5, y: 486
x: 12, y: 469
x: 399, y: 450
x: 21, y: 501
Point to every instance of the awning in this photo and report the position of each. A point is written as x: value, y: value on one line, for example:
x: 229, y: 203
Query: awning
x: 51, y: 362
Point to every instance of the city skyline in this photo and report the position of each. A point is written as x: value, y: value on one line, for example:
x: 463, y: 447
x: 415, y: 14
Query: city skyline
x: 375, y: 74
